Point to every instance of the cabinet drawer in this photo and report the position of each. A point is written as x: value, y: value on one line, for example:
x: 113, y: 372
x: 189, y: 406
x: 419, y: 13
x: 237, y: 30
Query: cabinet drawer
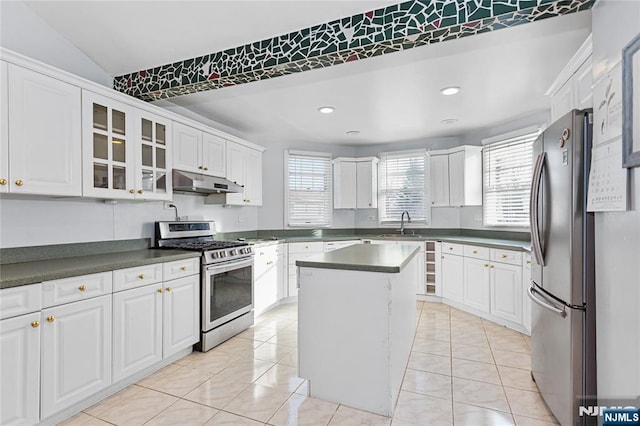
x: 477, y: 252
x: 20, y: 300
x: 180, y: 268
x: 137, y: 276
x: 66, y: 290
x: 452, y: 248
x: 310, y: 247
x: 506, y: 256
x: 265, y: 258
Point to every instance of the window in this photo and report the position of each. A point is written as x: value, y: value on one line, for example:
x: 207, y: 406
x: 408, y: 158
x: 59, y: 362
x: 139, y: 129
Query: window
x: 403, y: 186
x: 506, y: 182
x: 308, y: 188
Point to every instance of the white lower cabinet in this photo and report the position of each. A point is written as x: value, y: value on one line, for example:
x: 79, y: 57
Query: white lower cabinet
x: 20, y: 370
x: 506, y: 291
x: 453, y: 277
x: 477, y: 290
x: 137, y: 330
x: 298, y: 251
x: 268, y: 274
x: 181, y: 301
x: 76, y: 352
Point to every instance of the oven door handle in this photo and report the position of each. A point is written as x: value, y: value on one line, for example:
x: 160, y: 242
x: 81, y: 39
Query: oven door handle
x: 232, y: 265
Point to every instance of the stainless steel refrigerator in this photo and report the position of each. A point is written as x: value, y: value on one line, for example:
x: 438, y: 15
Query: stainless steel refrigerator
x: 562, y: 288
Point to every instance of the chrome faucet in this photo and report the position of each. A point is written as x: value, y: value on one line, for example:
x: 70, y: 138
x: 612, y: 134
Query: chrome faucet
x: 402, y: 221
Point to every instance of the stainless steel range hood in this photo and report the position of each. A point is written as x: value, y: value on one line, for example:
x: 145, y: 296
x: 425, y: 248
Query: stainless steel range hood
x: 189, y: 182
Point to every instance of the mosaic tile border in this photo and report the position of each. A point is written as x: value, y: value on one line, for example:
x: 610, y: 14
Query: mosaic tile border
x: 392, y: 29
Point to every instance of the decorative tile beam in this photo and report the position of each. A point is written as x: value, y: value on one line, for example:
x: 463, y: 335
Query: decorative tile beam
x: 391, y: 29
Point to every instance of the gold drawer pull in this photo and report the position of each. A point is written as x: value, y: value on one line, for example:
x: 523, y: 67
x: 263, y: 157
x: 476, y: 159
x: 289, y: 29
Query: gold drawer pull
x: 200, y: 167
x: 82, y: 287
x: 528, y: 262
x: 19, y: 182
x: 475, y: 252
x: 3, y: 182
x: 504, y: 256
x: 51, y: 318
x: 168, y: 289
x: 486, y: 265
x: 183, y: 268
x: 491, y: 266
x: 159, y: 290
x: 269, y: 262
x: 206, y: 168
x: 141, y: 276
x: 132, y: 191
x: 140, y: 191
x: 35, y: 324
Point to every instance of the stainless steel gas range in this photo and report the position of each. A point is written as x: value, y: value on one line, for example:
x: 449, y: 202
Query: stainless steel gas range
x: 226, y: 278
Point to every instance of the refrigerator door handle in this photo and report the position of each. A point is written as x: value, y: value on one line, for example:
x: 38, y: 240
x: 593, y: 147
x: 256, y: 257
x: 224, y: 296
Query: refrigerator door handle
x: 533, y: 209
x: 546, y: 303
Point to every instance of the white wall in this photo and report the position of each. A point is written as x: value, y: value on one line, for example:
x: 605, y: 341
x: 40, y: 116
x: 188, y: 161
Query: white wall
x: 615, y: 23
x: 24, y: 32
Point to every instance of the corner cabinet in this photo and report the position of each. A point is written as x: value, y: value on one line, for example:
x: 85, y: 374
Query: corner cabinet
x: 126, y: 151
x: 244, y: 167
x: 41, y: 139
x: 198, y: 152
x: 355, y: 183
x: 456, y: 176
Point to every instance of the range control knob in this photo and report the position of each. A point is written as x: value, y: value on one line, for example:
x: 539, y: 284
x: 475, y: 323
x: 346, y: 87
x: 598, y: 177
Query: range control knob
x: 233, y: 252
x: 214, y: 255
x: 223, y: 254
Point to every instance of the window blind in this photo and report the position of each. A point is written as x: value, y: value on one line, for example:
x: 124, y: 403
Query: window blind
x: 507, y: 173
x: 309, y: 189
x: 402, y: 186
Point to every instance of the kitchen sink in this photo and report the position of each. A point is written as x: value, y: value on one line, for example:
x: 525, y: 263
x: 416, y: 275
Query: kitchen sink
x: 400, y: 235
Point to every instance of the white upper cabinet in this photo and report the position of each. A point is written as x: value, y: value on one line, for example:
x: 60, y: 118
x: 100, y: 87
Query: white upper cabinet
x: 572, y: 88
x: 244, y: 167
x: 153, y: 157
x: 456, y: 177
x: 355, y: 183
x: 4, y: 128
x: 198, y: 152
x: 44, y: 119
x: 109, y: 147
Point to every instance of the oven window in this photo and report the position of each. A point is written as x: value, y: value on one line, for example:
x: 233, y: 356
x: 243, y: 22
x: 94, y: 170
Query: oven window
x: 230, y: 291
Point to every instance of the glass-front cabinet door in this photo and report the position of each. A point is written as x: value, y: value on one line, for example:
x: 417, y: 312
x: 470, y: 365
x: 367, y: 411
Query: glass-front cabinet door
x: 153, y: 155
x: 108, y: 144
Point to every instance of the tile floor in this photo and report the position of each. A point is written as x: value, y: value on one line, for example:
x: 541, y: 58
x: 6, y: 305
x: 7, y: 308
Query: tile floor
x: 463, y: 370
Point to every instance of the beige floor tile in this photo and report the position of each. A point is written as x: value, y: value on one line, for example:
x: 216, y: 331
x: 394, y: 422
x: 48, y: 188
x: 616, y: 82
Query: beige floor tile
x: 82, y: 419
x: 138, y: 408
x: 443, y: 335
x: 248, y: 370
x: 258, y: 333
x: 435, y: 347
x: 218, y: 391
x: 434, y: 324
x: 272, y: 352
x: 472, y: 353
x: 113, y: 401
x: 470, y: 415
x: 529, y: 404
x: 214, y: 362
x: 227, y: 419
x: 528, y: 421
x: 301, y: 410
x: 184, y: 413
x: 512, y: 359
x: 273, y: 322
x: 517, y: 378
x: 347, y: 416
x: 473, y: 339
x: 290, y: 359
x: 281, y: 377
x: 285, y: 338
x: 258, y: 402
x: 431, y: 363
x: 475, y: 370
x: 430, y: 384
x: 482, y: 394
x: 180, y: 382
x: 509, y: 343
x: 171, y: 368
x: 237, y: 345
x: 422, y: 410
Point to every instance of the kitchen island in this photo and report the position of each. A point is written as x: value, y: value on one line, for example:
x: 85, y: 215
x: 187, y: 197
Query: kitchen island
x: 356, y: 321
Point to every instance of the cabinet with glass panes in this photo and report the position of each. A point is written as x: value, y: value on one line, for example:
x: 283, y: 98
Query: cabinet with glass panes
x: 153, y: 177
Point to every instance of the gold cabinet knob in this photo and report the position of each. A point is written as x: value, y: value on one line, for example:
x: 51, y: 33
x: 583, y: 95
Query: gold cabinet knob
x: 35, y: 324
x: 442, y: 257
x: 140, y: 191
x: 82, y: 287
x: 183, y: 268
x: 504, y: 256
x: 486, y: 265
x: 450, y: 248
x: 261, y: 253
x: 19, y: 182
x: 206, y: 168
x: 132, y: 191
x: 51, y: 318
x: 3, y: 181
x: 159, y: 290
x: 475, y: 252
x: 200, y: 167
x: 491, y: 266
x: 141, y: 276
x: 433, y: 202
x: 528, y: 262
x: 269, y: 262
x: 168, y: 289
x: 369, y: 204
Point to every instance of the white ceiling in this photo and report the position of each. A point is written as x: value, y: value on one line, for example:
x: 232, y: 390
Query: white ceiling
x: 394, y: 97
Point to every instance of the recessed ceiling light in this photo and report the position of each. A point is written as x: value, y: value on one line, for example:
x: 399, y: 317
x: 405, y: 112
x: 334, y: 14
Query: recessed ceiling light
x: 353, y: 132
x: 326, y: 109
x: 451, y: 90
x: 449, y: 121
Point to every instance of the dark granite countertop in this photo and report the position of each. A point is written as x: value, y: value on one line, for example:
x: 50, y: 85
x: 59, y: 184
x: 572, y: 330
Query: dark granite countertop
x: 364, y: 257
x: 17, y: 274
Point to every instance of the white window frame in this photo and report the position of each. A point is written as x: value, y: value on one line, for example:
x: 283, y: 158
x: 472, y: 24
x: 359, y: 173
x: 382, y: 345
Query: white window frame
x: 287, y: 218
x: 415, y: 222
x: 523, y: 135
